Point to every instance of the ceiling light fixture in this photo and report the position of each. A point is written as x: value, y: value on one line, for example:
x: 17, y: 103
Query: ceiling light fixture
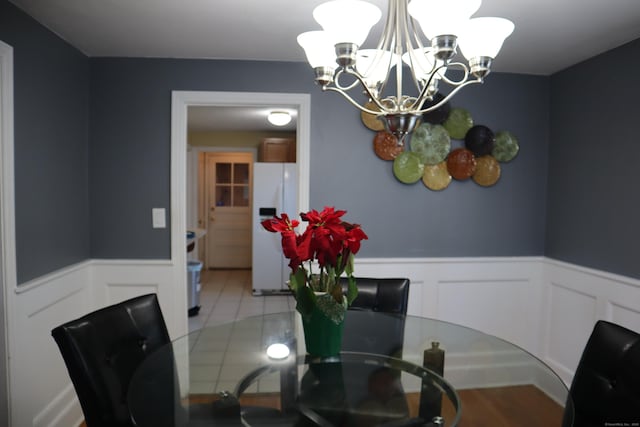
x: 335, y: 52
x: 279, y: 118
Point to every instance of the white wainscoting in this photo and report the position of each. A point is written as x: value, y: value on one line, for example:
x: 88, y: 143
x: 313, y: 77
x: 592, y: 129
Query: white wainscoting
x: 574, y: 298
x: 41, y: 393
x: 545, y: 306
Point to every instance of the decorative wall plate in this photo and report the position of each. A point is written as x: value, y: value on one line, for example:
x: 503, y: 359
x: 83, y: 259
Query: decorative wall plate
x: 487, y: 171
x: 506, y: 146
x: 461, y: 164
x: 436, y: 177
x: 440, y: 114
x: 431, y: 142
x: 458, y: 123
x: 480, y: 140
x: 408, y: 167
x: 370, y: 120
x: 385, y: 145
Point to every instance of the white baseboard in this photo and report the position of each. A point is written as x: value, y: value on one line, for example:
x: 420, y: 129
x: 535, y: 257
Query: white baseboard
x: 545, y: 306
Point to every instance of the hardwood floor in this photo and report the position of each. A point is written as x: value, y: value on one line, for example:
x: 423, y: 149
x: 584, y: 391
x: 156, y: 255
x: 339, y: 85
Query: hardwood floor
x: 515, y: 406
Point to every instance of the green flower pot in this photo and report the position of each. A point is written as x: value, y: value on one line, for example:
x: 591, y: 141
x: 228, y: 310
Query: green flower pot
x: 322, y: 336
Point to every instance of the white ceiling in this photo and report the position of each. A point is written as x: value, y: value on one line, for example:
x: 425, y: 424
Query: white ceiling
x: 549, y: 35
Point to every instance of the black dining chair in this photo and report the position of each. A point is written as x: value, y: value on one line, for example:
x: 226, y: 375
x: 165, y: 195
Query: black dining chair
x: 102, y: 350
x: 386, y: 295
x: 605, y: 389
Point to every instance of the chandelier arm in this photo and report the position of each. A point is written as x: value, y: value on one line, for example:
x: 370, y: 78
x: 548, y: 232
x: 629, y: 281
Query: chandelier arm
x: 463, y: 67
x: 367, y: 91
x: 385, y: 42
x: 422, y: 97
x: 449, y: 96
x: 336, y: 79
x: 412, y: 37
x: 350, y: 99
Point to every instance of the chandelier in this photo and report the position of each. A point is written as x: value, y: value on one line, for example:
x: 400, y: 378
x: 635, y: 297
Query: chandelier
x: 340, y: 65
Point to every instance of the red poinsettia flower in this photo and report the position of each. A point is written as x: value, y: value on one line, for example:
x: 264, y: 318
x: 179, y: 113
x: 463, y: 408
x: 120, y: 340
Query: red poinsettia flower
x: 328, y: 240
x: 354, y: 236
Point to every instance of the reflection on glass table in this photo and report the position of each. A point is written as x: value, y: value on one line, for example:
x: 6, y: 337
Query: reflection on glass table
x: 222, y: 376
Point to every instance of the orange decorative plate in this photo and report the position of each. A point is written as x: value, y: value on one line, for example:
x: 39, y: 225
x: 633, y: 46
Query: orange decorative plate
x: 385, y: 145
x: 487, y: 171
x: 461, y: 164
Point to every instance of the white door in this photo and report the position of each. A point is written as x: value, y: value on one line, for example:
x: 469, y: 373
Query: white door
x: 228, y: 182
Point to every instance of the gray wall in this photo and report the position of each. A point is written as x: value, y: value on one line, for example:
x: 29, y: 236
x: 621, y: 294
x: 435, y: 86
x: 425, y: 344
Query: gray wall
x: 51, y: 93
x: 130, y: 162
x: 107, y: 122
x: 594, y: 201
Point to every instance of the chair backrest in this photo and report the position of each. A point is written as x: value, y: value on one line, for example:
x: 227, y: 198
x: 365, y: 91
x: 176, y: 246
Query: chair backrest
x: 385, y: 295
x: 606, y: 386
x: 102, y: 351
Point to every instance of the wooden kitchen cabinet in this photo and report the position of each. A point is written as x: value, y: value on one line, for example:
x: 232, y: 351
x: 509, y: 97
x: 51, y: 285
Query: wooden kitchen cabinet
x: 277, y: 150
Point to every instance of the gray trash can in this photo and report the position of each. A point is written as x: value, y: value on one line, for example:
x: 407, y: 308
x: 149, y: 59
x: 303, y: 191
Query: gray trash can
x: 193, y: 286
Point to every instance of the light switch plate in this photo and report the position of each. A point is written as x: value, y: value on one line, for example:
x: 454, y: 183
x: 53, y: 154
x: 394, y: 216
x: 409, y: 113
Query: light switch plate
x: 159, y: 218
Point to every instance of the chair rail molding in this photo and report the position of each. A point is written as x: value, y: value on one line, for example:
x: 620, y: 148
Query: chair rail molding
x: 7, y: 226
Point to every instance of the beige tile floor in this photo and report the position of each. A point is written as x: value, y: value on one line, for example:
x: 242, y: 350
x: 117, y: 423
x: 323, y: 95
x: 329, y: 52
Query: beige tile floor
x: 216, y: 364
x: 226, y: 296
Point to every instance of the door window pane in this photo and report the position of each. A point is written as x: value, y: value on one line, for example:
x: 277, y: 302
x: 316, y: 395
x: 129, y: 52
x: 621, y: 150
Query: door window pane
x: 223, y: 173
x: 223, y: 195
x: 241, y: 173
x: 241, y: 195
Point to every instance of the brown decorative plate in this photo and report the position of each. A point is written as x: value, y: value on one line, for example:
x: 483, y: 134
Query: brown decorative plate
x: 370, y: 120
x: 487, y: 171
x: 436, y: 177
x: 386, y: 145
x: 461, y: 164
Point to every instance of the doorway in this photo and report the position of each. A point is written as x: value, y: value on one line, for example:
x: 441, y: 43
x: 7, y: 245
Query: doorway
x: 180, y: 219
x: 8, y: 277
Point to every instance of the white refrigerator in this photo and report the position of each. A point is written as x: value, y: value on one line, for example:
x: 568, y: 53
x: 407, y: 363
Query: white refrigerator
x: 275, y: 190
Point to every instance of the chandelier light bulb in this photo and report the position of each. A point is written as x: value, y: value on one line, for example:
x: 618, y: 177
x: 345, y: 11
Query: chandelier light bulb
x: 374, y: 65
x: 423, y: 63
x: 442, y: 17
x: 347, y: 21
x: 318, y: 48
x: 279, y: 118
x: 483, y: 37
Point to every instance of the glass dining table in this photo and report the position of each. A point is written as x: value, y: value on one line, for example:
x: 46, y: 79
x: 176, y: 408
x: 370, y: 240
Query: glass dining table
x: 385, y: 375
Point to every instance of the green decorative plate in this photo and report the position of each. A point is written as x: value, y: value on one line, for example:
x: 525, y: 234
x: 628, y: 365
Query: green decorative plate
x: 505, y: 147
x: 458, y: 123
x: 431, y: 143
x: 408, y: 167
